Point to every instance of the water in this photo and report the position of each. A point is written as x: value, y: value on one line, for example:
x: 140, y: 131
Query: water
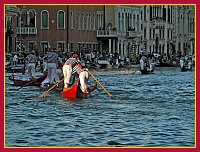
x: 148, y: 110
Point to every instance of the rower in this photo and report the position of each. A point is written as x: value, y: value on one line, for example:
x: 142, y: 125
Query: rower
x: 68, y: 70
x: 83, y: 78
x: 51, y: 65
x: 30, y: 66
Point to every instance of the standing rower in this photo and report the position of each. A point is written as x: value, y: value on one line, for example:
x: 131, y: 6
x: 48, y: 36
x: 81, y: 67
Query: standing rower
x: 68, y: 69
x: 51, y: 65
x: 30, y: 66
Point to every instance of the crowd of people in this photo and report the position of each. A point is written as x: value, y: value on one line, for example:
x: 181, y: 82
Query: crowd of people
x: 58, y: 64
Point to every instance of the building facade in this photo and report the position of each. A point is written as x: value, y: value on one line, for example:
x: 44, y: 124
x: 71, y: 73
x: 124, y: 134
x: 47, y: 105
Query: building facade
x: 125, y: 29
x: 65, y: 27
x: 10, y: 13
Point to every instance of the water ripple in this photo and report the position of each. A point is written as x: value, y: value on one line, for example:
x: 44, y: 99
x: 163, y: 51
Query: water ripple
x: 148, y: 110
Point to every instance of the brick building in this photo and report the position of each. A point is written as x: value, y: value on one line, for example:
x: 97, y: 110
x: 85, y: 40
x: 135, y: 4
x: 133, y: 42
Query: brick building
x: 66, y: 27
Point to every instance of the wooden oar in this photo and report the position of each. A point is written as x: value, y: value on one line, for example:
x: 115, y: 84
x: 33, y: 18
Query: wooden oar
x: 26, y: 84
x: 100, y: 84
x: 43, y: 95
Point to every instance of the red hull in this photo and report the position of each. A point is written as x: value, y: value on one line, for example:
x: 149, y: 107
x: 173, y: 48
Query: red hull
x: 74, y: 92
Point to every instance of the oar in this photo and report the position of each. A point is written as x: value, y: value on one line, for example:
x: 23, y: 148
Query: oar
x: 43, y: 95
x: 26, y: 84
x: 100, y: 84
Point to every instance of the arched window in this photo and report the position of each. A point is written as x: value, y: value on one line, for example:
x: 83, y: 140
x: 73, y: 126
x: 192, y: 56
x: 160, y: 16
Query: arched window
x: 44, y: 19
x: 24, y: 18
x: 61, y: 20
x: 32, y: 20
x: 119, y: 22
x: 71, y: 20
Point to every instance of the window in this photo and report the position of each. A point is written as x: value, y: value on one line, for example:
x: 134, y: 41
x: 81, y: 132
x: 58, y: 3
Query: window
x: 145, y: 12
x: 150, y: 33
x: 61, y: 20
x: 94, y: 23
x: 79, y: 21
x: 24, y: 19
x: 71, y: 47
x: 145, y: 33
x: 87, y: 21
x: 31, y: 45
x: 61, y: 46
x: 71, y: 21
x: 119, y: 23
x: 32, y: 19
x: 79, y: 46
x: 83, y: 22
x: 138, y: 23
x: 122, y: 22
x: 90, y: 22
x: 44, y: 47
x: 45, y: 19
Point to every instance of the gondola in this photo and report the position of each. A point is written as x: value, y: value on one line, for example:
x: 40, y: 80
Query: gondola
x: 146, y: 71
x: 14, y: 69
x: 75, y: 91
x: 36, y: 82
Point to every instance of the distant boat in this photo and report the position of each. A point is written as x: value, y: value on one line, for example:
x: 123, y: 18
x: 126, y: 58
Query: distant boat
x: 14, y: 69
x: 145, y: 68
x: 102, y: 63
x: 36, y: 82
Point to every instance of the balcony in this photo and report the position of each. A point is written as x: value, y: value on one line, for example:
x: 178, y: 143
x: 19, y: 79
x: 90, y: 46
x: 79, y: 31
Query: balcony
x: 158, y: 24
x: 132, y: 34
x: 26, y: 30
x: 106, y: 33
x: 190, y: 36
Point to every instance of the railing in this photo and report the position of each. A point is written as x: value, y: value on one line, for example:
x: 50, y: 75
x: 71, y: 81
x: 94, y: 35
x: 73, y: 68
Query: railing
x: 158, y: 24
x: 26, y: 30
x: 190, y: 35
x: 106, y: 33
x: 111, y: 33
x: 132, y: 34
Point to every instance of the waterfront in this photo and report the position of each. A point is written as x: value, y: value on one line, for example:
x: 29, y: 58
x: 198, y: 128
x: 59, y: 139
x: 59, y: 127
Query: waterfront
x: 148, y: 110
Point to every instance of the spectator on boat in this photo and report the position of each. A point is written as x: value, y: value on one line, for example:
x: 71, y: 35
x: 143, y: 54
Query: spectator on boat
x: 11, y: 59
x: 68, y: 69
x: 151, y: 65
x: 189, y: 63
x: 30, y: 65
x: 182, y: 62
x: 44, y: 60
x: 15, y: 59
x: 51, y: 65
x: 143, y: 61
x: 59, y: 73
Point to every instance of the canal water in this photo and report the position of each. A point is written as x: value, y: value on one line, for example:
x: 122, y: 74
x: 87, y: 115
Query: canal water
x: 147, y: 110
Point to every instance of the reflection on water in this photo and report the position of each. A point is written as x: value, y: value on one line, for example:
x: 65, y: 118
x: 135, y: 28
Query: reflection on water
x: 148, y: 110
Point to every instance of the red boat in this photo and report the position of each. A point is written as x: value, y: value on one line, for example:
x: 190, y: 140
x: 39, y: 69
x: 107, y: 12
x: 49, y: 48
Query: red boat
x: 75, y: 91
x: 36, y: 82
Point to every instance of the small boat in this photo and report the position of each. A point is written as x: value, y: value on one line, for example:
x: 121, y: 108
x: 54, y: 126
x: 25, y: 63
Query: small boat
x: 186, y: 68
x: 185, y: 64
x: 14, y: 69
x: 75, y: 92
x: 146, y: 68
x: 36, y: 82
x: 146, y: 71
x: 167, y: 64
x: 102, y: 63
